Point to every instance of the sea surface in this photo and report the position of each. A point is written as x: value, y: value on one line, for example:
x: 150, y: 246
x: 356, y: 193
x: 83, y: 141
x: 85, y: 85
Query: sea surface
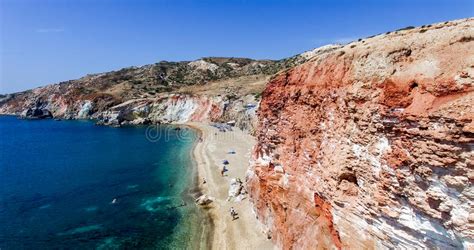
x: 76, y: 185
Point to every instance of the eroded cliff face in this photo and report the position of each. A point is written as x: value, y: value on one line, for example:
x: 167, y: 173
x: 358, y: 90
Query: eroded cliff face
x: 178, y: 108
x: 163, y: 108
x: 371, y: 145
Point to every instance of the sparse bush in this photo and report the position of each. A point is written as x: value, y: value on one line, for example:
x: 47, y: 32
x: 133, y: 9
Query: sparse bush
x: 406, y: 28
x: 465, y: 39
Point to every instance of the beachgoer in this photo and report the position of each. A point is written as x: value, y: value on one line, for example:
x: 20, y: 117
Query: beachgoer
x: 203, y: 180
x: 233, y: 213
x: 223, y: 170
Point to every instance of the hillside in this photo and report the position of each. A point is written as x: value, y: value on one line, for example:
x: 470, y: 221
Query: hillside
x: 213, y: 88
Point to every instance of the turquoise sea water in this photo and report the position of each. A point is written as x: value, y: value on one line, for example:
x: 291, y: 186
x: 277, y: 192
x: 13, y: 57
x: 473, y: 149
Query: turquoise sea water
x: 72, y: 184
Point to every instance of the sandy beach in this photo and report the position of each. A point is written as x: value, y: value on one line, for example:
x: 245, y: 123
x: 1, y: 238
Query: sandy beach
x: 245, y: 232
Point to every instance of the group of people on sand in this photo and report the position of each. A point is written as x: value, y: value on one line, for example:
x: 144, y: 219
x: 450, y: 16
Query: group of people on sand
x: 233, y: 213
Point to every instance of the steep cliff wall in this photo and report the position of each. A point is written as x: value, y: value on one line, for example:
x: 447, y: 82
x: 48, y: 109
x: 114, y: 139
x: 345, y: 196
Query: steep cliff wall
x: 371, y: 145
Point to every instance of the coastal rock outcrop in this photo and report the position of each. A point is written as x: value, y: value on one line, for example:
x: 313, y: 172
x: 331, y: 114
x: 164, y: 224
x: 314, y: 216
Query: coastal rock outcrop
x: 371, y: 145
x: 213, y: 89
x: 182, y: 108
x: 36, y: 113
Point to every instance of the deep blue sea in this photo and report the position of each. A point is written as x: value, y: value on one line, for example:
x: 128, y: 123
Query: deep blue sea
x: 75, y: 185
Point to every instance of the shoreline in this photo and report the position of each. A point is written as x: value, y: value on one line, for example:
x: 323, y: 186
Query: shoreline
x: 218, y: 230
x: 225, y: 233
x: 207, y: 227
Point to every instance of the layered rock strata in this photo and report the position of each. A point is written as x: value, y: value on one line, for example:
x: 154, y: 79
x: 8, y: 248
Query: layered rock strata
x: 371, y: 145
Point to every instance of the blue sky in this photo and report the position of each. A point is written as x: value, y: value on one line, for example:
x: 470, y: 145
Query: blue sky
x: 47, y: 41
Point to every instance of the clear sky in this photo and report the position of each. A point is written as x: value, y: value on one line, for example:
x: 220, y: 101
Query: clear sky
x: 47, y: 41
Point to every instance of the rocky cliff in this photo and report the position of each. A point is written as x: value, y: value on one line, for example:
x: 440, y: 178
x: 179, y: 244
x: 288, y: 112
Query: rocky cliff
x: 371, y: 145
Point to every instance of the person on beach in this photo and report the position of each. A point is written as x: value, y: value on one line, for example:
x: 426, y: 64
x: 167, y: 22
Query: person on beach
x: 223, y: 170
x: 203, y: 180
x: 233, y: 213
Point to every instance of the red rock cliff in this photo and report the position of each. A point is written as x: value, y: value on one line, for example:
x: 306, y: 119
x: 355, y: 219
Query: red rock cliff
x: 371, y: 145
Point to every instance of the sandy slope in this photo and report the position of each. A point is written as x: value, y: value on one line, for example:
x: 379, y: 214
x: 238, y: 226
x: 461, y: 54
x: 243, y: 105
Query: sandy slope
x: 245, y: 232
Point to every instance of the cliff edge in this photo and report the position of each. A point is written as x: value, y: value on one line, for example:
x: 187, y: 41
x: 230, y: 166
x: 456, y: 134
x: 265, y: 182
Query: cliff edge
x: 371, y: 145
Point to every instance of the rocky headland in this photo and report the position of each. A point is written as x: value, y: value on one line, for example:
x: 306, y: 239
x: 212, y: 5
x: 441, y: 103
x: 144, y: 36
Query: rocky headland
x: 209, y: 89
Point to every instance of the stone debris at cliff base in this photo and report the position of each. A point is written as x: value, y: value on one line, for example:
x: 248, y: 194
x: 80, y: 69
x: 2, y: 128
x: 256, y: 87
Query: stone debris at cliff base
x: 237, y: 191
x: 204, y: 200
